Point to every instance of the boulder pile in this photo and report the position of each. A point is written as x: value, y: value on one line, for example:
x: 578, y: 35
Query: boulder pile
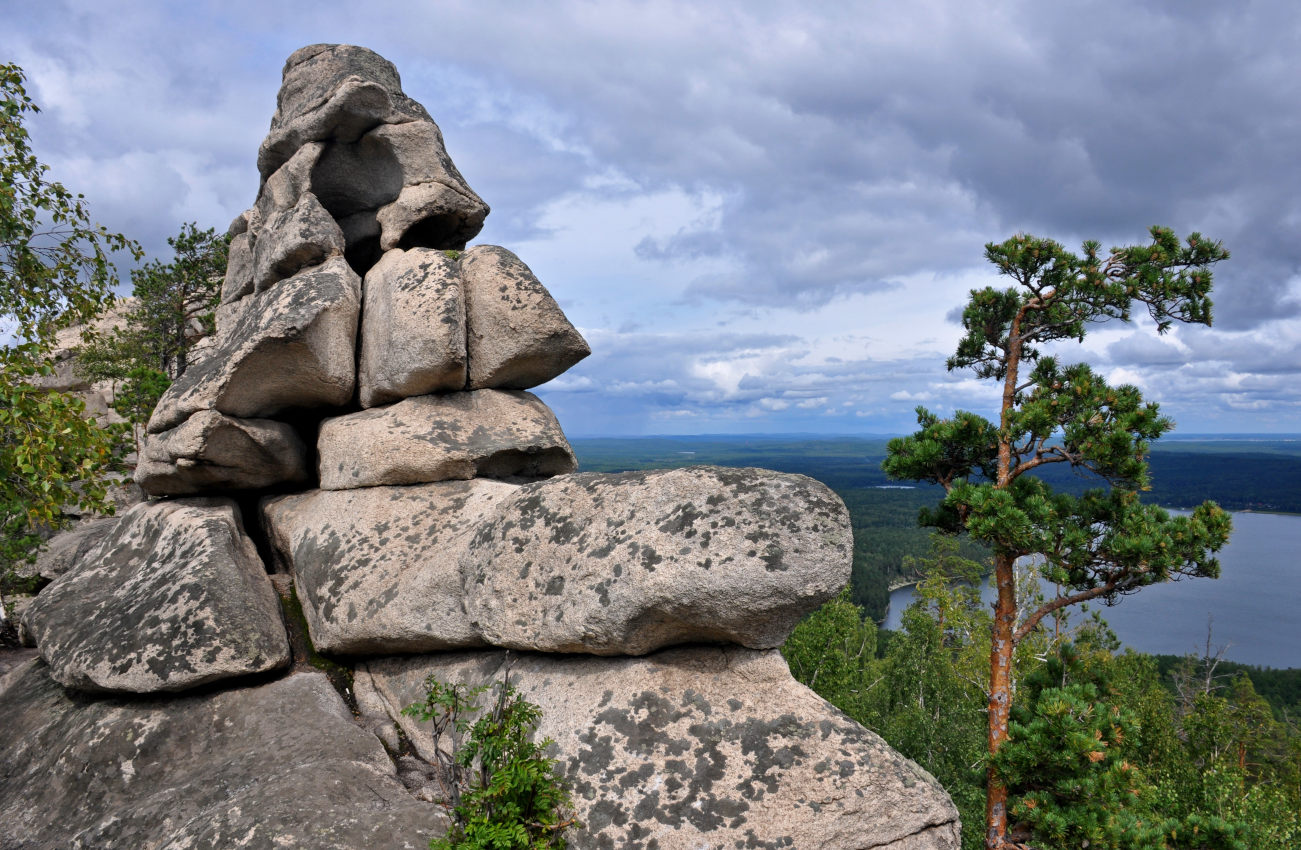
x: 359, y: 441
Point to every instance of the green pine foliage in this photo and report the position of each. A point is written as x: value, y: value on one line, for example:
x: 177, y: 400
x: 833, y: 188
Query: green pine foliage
x: 1105, y: 542
x: 175, y: 304
x: 498, y: 783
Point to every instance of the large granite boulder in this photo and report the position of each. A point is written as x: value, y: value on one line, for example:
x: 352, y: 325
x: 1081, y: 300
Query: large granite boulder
x: 378, y: 568
x: 386, y: 166
x: 694, y: 747
x: 333, y: 92
x: 488, y: 433
x: 624, y: 564
x: 587, y: 563
x: 279, y: 765
x: 174, y: 596
x: 412, y: 327
x: 518, y: 335
x: 213, y: 452
x: 288, y: 347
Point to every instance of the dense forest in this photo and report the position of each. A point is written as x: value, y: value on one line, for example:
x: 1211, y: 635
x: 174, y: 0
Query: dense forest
x: 1151, y: 751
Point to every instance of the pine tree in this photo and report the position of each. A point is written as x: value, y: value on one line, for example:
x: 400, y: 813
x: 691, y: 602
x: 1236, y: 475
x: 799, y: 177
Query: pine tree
x: 1105, y: 543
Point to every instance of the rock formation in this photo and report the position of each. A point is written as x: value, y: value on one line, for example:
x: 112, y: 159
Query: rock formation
x: 362, y: 413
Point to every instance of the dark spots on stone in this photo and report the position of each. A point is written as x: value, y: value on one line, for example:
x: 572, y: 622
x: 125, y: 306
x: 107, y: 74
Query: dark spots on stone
x: 705, y: 564
x: 681, y: 520
x: 604, y: 814
x: 649, y: 558
x: 637, y: 777
x: 556, y: 586
x: 644, y: 724
x: 597, y: 754
x: 754, y: 842
x: 734, y: 704
x: 602, y: 590
x: 697, y: 701
x: 618, y: 570
x: 605, y: 699
x: 648, y: 808
x: 772, y: 558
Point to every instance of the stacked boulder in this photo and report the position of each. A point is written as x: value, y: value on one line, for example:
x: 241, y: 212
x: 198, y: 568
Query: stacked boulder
x: 363, y: 414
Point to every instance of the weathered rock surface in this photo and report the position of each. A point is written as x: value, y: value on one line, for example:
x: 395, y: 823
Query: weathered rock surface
x: 412, y: 327
x: 602, y: 564
x: 386, y: 159
x: 280, y: 765
x: 173, y: 597
x: 518, y: 335
x: 696, y: 747
x: 294, y: 239
x: 65, y: 550
x: 336, y: 92
x: 625, y: 564
x: 290, y: 346
x: 211, y: 451
x: 239, y: 268
x: 487, y: 433
x: 377, y: 568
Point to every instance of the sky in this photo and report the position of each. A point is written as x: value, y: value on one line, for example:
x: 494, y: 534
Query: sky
x: 764, y: 217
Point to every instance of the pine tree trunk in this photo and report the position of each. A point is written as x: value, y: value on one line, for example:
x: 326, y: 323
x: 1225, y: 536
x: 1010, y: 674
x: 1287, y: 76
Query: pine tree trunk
x: 1000, y: 695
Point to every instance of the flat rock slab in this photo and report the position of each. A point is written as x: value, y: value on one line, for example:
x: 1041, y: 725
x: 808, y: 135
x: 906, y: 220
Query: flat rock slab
x: 487, y: 433
x: 696, y: 747
x: 280, y: 765
x: 289, y: 347
x: 412, y: 327
x: 211, y: 451
x: 589, y: 563
x: 173, y: 597
x: 518, y: 335
x: 624, y: 564
x: 377, y: 568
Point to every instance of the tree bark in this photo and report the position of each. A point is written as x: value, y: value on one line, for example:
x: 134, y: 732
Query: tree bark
x: 1000, y: 695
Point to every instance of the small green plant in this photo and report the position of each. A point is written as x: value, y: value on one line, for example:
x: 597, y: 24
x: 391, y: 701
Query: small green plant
x: 500, y: 788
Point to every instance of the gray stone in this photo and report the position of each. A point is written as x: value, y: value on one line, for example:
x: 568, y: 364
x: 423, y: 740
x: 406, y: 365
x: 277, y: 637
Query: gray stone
x: 173, y: 597
x: 436, y: 207
x: 280, y: 765
x: 289, y: 347
x: 211, y: 451
x: 412, y: 327
x: 625, y: 564
x: 65, y: 550
x: 431, y: 215
x: 386, y: 160
x: 399, y: 177
x: 239, y: 268
x: 518, y: 335
x: 377, y: 568
x: 696, y: 747
x: 294, y: 239
x: 333, y: 92
x: 488, y: 433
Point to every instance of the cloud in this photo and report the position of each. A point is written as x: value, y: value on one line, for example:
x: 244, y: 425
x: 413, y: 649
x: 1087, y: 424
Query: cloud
x: 767, y: 200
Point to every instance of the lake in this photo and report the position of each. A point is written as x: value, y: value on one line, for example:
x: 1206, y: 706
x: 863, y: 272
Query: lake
x: 1254, y: 607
